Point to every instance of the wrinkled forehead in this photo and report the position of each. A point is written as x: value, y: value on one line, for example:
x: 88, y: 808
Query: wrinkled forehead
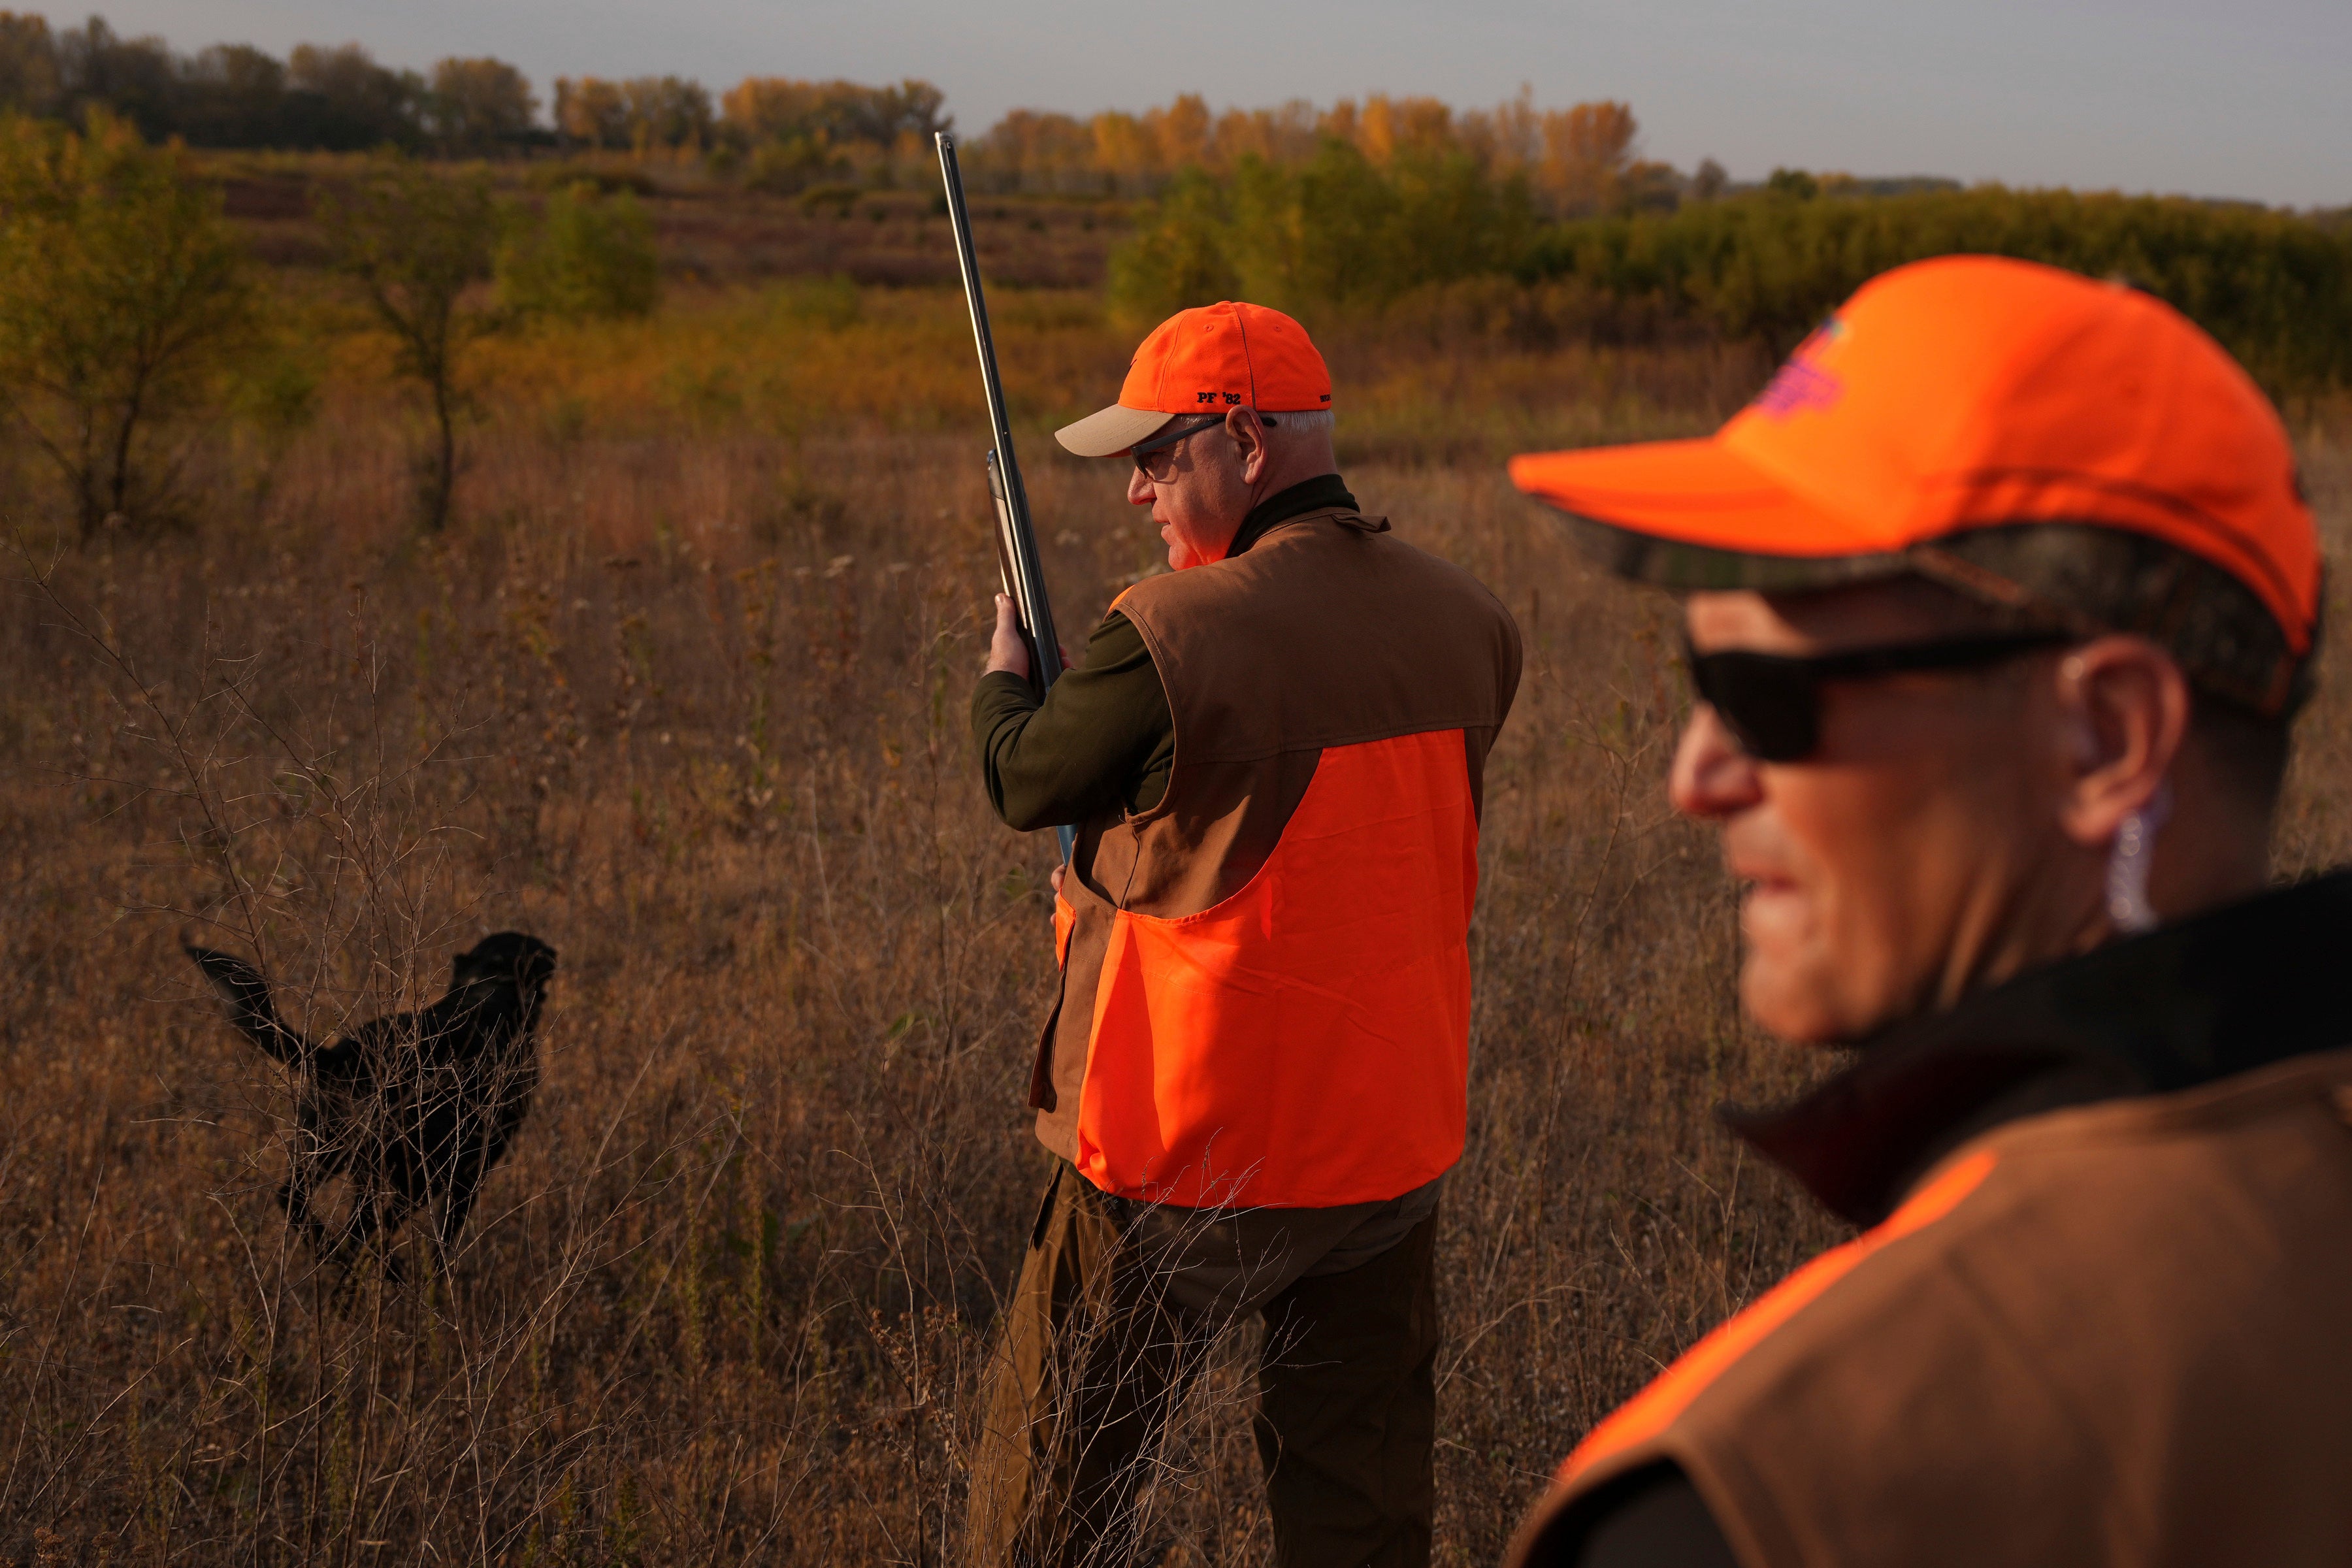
x: 1888, y: 610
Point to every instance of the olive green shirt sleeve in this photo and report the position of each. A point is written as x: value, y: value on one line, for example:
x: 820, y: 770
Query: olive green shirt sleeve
x: 1103, y: 739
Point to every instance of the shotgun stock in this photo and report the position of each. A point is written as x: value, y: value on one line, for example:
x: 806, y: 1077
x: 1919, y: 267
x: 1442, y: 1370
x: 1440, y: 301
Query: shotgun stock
x: 1017, y: 563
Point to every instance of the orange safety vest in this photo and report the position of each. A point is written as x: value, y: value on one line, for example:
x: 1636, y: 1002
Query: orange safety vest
x: 1265, y: 978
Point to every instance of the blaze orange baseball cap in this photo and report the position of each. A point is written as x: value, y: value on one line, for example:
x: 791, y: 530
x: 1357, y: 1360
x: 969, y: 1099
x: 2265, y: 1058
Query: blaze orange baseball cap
x: 1206, y: 361
x: 1952, y: 419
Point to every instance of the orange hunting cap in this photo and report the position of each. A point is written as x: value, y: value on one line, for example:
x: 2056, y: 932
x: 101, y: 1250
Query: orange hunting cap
x: 2035, y: 438
x: 1204, y: 361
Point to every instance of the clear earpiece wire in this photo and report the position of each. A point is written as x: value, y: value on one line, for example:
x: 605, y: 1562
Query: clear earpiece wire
x: 2128, y: 862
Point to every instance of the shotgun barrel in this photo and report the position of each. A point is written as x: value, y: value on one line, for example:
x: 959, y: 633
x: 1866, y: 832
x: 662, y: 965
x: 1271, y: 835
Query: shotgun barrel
x: 1017, y: 562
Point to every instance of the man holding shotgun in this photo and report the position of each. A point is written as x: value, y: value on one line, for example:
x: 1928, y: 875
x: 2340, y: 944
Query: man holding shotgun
x: 1254, y: 1078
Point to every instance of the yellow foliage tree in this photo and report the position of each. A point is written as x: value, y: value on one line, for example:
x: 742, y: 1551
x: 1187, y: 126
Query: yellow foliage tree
x: 591, y: 110
x: 1585, y: 151
x: 124, y: 296
x: 477, y: 106
x: 1576, y: 159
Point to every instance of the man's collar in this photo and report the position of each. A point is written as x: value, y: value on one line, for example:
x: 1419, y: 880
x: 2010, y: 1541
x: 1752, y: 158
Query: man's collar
x: 1317, y: 494
x: 2217, y: 994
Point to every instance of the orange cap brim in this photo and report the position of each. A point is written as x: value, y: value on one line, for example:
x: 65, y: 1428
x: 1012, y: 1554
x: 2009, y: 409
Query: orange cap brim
x: 1690, y: 493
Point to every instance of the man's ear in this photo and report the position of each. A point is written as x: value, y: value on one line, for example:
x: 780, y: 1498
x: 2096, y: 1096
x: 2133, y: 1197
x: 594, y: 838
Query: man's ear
x: 2124, y: 705
x: 1249, y: 441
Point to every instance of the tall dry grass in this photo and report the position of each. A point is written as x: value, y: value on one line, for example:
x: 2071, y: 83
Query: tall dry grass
x: 1476, y: 369
x: 685, y: 693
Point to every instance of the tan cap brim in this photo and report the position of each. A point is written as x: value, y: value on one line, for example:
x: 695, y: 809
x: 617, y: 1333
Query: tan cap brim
x: 1111, y: 431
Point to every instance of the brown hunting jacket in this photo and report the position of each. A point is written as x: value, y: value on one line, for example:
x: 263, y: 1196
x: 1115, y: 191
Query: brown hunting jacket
x: 2102, y: 1310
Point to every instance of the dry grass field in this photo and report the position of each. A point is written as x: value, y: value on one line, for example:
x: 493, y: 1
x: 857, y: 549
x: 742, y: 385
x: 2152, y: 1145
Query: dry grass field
x: 683, y: 690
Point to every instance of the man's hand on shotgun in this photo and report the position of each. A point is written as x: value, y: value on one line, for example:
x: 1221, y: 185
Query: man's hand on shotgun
x: 1008, y: 650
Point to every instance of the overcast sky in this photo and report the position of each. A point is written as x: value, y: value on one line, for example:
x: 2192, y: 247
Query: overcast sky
x: 2225, y: 98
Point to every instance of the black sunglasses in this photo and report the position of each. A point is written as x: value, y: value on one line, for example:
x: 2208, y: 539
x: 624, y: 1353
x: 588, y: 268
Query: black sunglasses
x: 1771, y: 702
x: 1169, y: 437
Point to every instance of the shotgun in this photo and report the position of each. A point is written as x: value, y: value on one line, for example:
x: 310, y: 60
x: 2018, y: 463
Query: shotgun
x: 1017, y: 564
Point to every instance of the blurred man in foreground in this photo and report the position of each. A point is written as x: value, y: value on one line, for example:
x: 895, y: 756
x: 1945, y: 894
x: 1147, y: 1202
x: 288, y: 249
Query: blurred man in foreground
x: 1254, y: 1077
x: 2002, y: 598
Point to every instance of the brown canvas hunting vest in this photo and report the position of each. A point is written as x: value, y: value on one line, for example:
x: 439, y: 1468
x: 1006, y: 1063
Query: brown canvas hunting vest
x: 2115, y: 1335
x: 1265, y: 994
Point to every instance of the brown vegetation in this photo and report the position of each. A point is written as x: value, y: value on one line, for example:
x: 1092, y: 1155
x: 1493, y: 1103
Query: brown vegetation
x: 711, y: 230
x: 682, y: 689
x: 701, y: 723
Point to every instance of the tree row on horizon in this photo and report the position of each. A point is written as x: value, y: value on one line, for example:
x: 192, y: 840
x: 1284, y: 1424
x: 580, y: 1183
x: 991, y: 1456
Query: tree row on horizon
x: 784, y: 133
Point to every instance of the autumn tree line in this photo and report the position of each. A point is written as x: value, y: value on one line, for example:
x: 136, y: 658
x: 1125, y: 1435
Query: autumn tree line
x: 1573, y: 161
x: 781, y: 133
x: 133, y: 317
x: 334, y: 99
x: 339, y: 98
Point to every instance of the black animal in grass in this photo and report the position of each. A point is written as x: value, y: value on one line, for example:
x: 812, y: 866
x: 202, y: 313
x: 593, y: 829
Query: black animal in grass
x: 414, y: 1107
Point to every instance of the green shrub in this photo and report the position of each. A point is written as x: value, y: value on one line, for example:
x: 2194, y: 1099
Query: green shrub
x: 2274, y: 287
x: 125, y: 299
x: 1336, y: 229
x: 837, y: 198
x: 831, y: 302
x: 1339, y: 229
x: 604, y: 175
x: 1181, y: 256
x: 786, y: 168
x: 587, y: 256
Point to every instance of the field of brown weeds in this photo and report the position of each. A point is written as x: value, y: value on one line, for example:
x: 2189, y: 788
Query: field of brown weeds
x: 685, y: 694
x: 715, y: 231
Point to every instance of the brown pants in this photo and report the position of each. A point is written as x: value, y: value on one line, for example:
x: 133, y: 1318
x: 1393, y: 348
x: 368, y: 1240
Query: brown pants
x: 1094, y: 1356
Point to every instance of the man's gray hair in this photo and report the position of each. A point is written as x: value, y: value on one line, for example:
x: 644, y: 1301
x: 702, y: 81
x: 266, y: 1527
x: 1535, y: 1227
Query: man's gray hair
x: 1321, y: 419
